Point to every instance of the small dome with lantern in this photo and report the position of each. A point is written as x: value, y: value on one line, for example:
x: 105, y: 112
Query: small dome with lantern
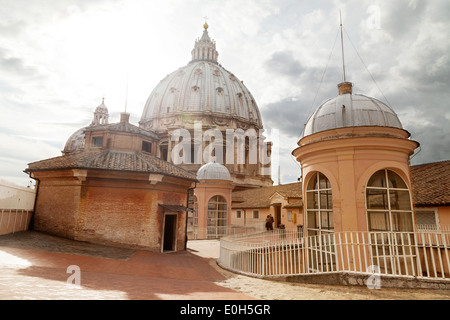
x: 77, y: 139
x: 351, y: 110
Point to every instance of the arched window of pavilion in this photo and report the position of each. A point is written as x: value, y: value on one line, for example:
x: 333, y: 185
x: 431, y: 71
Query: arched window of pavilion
x: 319, y: 205
x: 388, y: 203
x: 217, y: 217
x: 192, y: 220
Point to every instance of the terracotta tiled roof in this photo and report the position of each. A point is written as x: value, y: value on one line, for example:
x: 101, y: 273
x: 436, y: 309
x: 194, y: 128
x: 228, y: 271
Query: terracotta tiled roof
x: 111, y: 160
x: 260, y: 197
x: 431, y: 184
x: 124, y: 127
x: 295, y: 204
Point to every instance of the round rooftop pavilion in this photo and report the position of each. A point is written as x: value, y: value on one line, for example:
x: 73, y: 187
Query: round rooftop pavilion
x: 351, y: 110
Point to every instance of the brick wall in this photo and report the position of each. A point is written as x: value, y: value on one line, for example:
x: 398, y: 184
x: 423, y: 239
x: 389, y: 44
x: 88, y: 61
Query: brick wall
x: 119, y: 215
x: 110, y: 211
x: 56, y: 208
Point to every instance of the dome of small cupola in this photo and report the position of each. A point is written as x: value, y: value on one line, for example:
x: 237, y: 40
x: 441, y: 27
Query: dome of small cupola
x: 351, y: 110
x: 213, y: 171
x: 201, y: 87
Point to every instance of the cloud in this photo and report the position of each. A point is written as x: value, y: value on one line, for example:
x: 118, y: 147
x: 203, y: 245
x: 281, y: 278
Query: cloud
x: 284, y: 64
x: 288, y: 116
x: 16, y: 152
x: 16, y: 67
x: 59, y: 59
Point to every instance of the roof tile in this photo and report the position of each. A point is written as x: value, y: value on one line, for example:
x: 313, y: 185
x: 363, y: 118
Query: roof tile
x: 431, y: 184
x: 111, y: 160
x: 261, y: 197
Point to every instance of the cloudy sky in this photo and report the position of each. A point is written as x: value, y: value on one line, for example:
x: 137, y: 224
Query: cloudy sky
x: 59, y: 58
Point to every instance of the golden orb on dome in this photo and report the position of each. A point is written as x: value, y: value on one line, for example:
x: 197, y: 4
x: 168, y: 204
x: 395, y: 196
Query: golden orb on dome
x: 205, y: 26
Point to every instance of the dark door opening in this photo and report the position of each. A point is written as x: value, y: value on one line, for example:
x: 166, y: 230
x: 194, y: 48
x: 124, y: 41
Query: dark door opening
x: 277, y: 215
x: 170, y: 223
x: 164, y: 151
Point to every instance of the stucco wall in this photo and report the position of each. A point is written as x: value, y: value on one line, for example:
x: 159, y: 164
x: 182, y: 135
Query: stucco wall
x: 16, y: 207
x: 16, y: 197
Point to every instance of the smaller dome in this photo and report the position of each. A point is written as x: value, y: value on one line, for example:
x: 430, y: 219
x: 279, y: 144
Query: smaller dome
x: 76, y: 141
x: 213, y: 171
x: 101, y: 109
x: 101, y: 114
x: 351, y: 110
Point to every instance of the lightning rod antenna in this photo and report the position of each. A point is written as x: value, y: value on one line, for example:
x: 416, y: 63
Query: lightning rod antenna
x: 342, y: 46
x: 126, y: 96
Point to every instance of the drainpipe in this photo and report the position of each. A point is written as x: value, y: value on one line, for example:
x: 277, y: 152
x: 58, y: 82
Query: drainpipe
x: 38, y: 182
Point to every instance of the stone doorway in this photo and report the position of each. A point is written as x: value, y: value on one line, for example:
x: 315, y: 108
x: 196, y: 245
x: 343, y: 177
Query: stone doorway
x: 170, y: 234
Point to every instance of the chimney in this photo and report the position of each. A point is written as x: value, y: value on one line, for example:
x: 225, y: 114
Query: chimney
x: 125, y: 117
x: 345, y: 87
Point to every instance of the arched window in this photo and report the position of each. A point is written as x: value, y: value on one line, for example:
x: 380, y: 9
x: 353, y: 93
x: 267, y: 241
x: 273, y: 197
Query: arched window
x: 319, y: 205
x: 192, y: 221
x: 217, y: 217
x: 388, y: 203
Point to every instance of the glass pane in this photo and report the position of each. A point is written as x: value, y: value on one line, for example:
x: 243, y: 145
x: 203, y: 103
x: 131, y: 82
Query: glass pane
x: 378, y: 180
x: 377, y: 199
x: 313, y: 219
x: 378, y: 221
x: 395, y: 181
x: 312, y: 232
x: 325, y: 200
x: 211, y: 214
x: 331, y: 220
x: 212, y: 205
x: 323, y: 182
x: 399, y: 200
x: 402, y: 221
x: 221, y: 223
x: 326, y: 220
x: 221, y: 215
x: 426, y: 217
x: 222, y: 206
x: 311, y: 200
x: 312, y: 184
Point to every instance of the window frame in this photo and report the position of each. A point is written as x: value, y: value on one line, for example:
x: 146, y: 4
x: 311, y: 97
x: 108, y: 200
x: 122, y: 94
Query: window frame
x: 321, y: 214
x: 391, y: 215
x: 422, y: 227
x: 217, y: 217
x: 149, y: 144
x: 95, y: 141
x: 289, y: 215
